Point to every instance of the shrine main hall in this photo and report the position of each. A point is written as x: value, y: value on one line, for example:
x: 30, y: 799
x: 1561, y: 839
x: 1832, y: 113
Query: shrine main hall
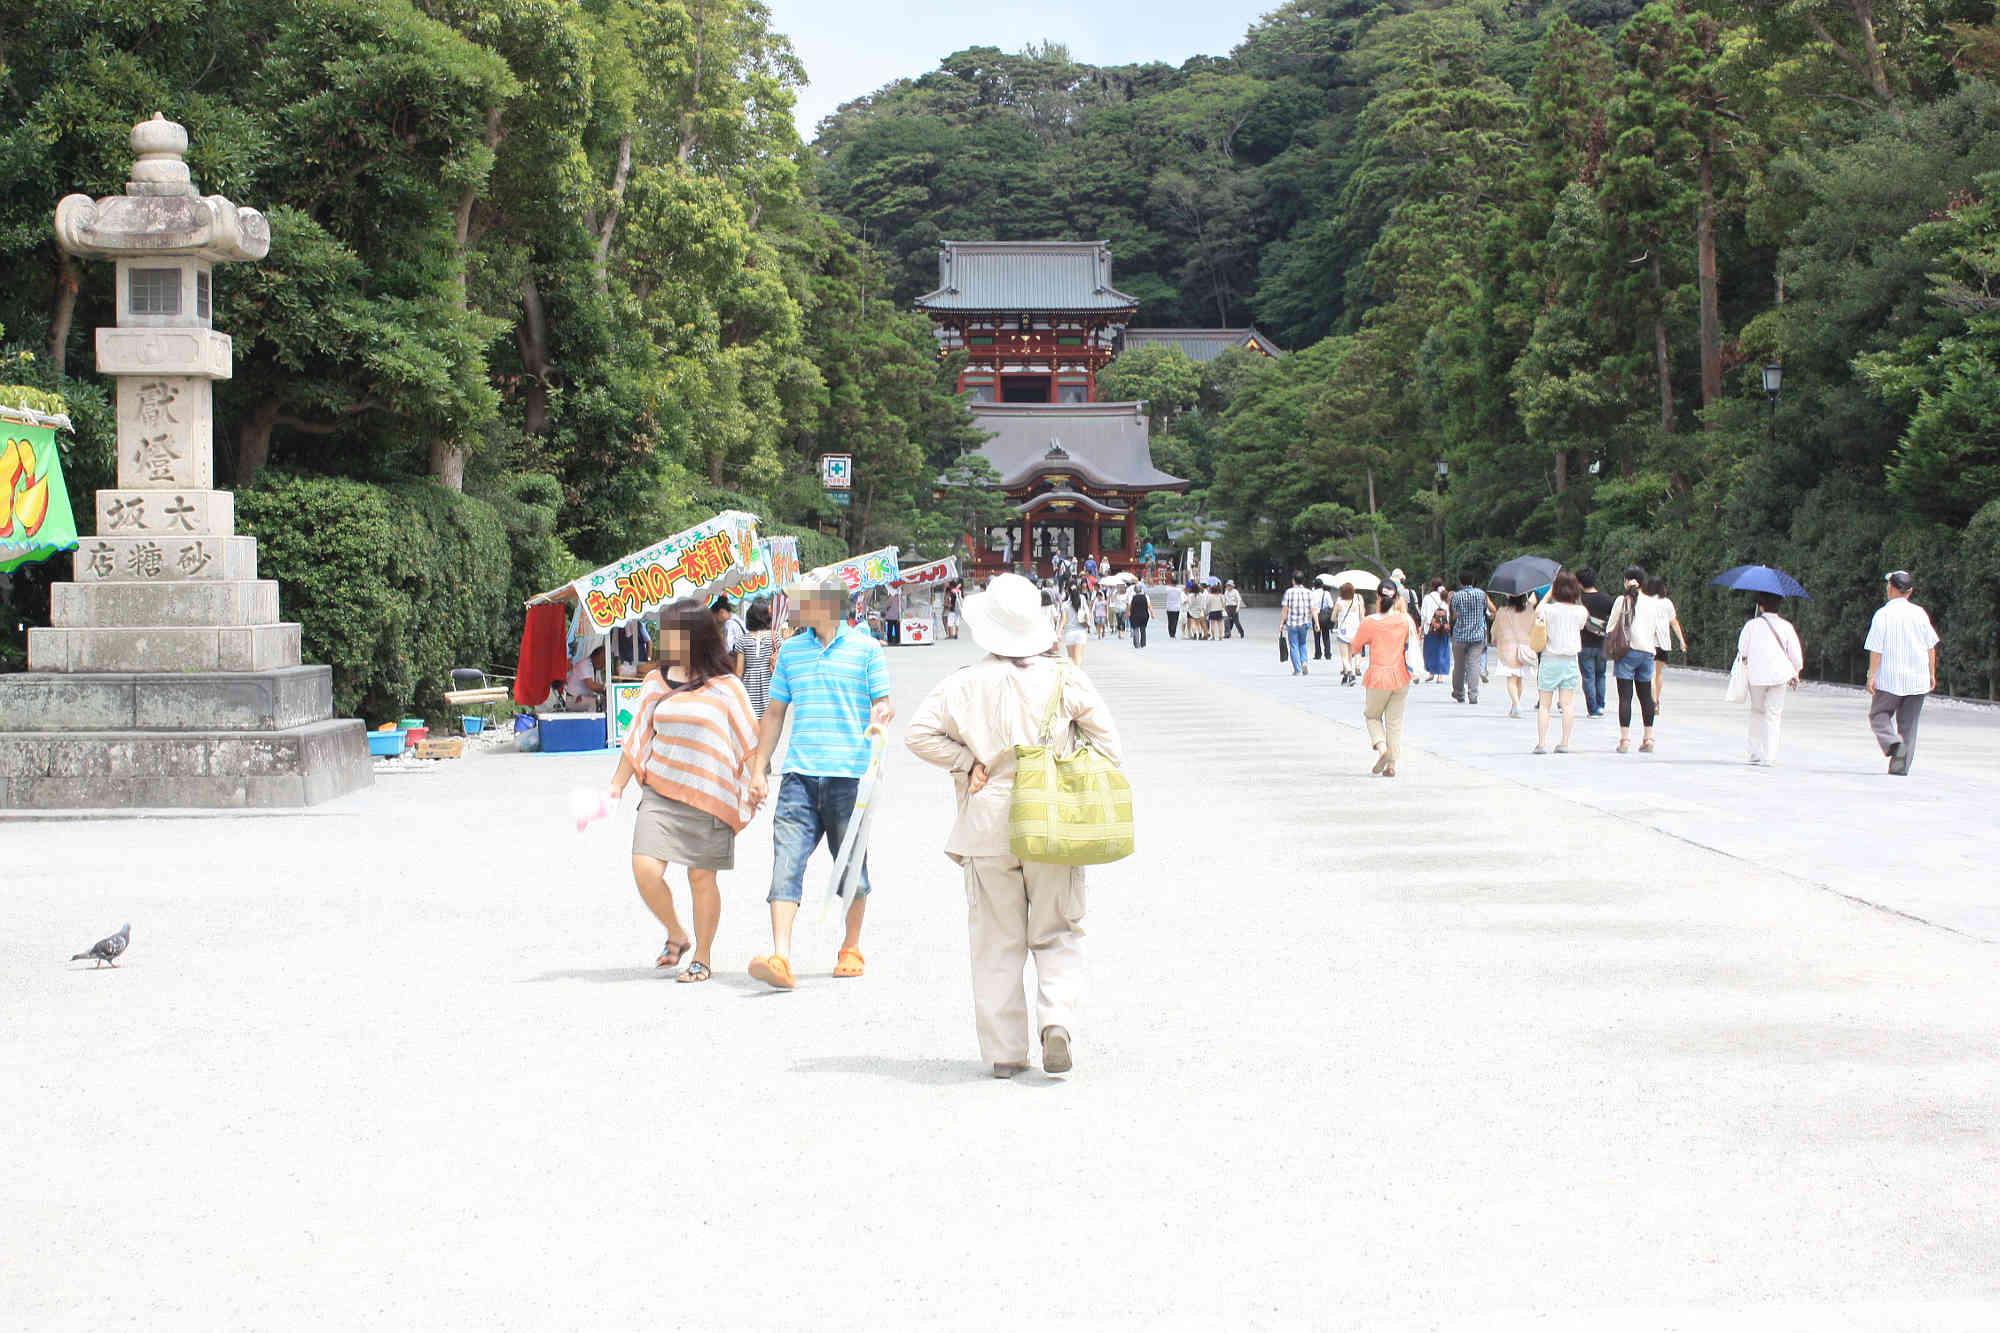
x: 1037, y: 321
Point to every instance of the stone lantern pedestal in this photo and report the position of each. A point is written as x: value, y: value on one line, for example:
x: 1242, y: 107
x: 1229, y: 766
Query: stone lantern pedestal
x: 168, y: 677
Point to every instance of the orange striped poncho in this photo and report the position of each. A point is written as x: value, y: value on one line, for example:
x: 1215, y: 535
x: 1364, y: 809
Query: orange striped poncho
x: 696, y: 746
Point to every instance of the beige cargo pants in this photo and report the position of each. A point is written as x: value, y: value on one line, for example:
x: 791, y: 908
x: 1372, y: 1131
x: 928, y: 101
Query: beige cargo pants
x: 1015, y: 910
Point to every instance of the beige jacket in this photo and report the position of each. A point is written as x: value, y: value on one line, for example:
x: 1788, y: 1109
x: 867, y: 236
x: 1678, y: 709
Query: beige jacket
x: 979, y: 714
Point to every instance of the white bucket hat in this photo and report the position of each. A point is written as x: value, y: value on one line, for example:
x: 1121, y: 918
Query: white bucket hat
x: 1008, y: 619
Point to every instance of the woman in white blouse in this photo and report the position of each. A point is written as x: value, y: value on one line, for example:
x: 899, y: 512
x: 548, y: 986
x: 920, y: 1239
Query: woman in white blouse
x: 1646, y: 622
x: 1773, y: 659
x: 1557, y: 673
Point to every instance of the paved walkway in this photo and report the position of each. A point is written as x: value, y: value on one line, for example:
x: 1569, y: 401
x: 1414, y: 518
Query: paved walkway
x: 1462, y: 1050
x: 1829, y: 813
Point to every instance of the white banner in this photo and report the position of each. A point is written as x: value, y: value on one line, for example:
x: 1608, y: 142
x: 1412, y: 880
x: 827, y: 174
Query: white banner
x: 937, y: 571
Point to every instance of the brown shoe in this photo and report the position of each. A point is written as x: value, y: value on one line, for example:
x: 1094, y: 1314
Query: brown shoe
x: 1055, y: 1050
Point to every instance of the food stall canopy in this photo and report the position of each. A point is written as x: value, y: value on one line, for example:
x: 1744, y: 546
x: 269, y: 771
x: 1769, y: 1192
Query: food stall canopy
x: 877, y: 569
x: 933, y: 575
x: 35, y: 517
x: 775, y: 569
x: 700, y: 561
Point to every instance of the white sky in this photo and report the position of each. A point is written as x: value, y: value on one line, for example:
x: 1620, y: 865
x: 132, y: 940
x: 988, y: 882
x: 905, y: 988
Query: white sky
x: 851, y: 48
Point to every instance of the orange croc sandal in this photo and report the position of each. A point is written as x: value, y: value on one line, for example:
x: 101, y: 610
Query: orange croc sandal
x: 773, y: 971
x: 849, y: 964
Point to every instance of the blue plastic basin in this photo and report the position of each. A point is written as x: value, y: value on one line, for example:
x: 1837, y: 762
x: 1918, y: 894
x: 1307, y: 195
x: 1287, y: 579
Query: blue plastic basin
x: 385, y: 744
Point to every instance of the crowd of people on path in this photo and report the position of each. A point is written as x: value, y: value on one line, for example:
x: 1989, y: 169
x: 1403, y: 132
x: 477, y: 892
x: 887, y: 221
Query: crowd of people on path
x: 1555, y: 648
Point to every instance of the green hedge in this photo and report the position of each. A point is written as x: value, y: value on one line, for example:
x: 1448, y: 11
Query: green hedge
x: 394, y: 585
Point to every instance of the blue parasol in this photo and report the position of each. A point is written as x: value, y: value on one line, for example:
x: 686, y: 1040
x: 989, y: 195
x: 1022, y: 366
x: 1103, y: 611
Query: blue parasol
x: 1761, y: 578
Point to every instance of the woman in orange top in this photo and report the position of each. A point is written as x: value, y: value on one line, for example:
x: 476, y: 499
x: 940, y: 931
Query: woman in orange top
x: 1385, y: 637
x: 693, y: 745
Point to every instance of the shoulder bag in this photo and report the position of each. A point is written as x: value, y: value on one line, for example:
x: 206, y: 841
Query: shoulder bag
x: 1538, y: 637
x: 1067, y: 810
x: 1618, y: 632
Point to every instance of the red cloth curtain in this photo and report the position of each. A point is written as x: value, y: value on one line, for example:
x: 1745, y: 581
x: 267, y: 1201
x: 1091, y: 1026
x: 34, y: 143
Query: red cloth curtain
x: 544, y: 654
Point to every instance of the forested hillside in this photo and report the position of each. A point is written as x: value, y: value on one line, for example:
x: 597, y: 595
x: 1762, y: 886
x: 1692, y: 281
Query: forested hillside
x: 1530, y: 261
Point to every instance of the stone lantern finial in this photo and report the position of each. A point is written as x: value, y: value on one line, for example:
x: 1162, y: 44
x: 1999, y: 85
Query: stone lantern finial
x: 161, y: 168
x: 161, y: 213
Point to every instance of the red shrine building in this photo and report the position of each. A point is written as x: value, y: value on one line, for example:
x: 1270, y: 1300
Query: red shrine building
x: 1037, y: 320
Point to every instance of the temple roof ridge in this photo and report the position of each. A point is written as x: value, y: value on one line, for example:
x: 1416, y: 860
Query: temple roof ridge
x: 1004, y: 276
x: 1108, y: 445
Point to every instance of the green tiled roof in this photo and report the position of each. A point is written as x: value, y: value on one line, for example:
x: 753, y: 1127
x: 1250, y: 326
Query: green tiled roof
x: 1107, y: 444
x: 1025, y: 275
x: 1200, y: 344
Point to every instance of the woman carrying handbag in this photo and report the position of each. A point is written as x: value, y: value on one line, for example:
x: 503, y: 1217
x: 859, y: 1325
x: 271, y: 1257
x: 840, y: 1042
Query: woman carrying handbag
x: 1018, y: 908
x: 1769, y: 660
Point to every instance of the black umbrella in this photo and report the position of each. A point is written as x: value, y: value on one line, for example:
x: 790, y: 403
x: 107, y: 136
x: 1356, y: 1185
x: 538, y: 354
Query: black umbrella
x: 1523, y: 573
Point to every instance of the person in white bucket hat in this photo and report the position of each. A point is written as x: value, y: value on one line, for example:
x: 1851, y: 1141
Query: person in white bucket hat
x: 1017, y: 910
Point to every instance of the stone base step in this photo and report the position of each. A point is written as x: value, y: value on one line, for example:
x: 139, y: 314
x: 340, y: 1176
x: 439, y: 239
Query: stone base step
x: 194, y: 605
x: 166, y: 701
x: 113, y: 770
x: 165, y: 648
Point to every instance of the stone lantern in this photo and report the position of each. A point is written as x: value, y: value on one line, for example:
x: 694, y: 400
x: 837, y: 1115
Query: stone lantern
x: 168, y: 677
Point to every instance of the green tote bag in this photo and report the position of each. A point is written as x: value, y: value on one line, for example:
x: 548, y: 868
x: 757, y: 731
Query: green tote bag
x: 1068, y: 810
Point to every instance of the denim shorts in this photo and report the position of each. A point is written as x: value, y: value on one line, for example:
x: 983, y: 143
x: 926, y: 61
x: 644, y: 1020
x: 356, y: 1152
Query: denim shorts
x: 809, y: 810
x: 1635, y: 665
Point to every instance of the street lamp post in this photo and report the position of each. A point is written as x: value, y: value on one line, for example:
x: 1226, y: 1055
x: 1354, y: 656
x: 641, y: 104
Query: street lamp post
x: 1443, y: 480
x: 1774, y: 381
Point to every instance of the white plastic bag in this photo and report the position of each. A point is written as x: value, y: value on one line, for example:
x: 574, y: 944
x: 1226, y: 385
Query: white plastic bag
x: 1738, y: 688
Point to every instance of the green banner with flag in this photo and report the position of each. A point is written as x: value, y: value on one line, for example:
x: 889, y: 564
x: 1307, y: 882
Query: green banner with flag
x: 35, y: 517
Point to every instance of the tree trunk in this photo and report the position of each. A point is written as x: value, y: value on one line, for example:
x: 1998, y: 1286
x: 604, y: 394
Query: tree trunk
x: 689, y: 135
x: 447, y: 461
x: 1562, y: 470
x: 1711, y: 314
x: 63, y: 313
x: 447, y: 464
x: 531, y: 335
x: 1374, y: 532
x: 1871, y: 50
x: 619, y: 177
x: 253, y: 441
x: 1662, y: 365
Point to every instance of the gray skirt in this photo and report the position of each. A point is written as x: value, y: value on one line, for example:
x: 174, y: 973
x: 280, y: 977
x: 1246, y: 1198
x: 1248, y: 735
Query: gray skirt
x: 677, y: 833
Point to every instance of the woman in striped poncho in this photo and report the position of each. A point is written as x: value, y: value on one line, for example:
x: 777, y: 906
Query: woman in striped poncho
x: 693, y: 744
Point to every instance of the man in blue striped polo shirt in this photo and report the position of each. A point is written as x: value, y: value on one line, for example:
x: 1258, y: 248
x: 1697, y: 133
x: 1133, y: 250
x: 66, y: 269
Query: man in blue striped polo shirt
x: 833, y: 681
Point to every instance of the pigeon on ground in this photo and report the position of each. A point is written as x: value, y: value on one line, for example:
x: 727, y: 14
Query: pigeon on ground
x: 107, y: 950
